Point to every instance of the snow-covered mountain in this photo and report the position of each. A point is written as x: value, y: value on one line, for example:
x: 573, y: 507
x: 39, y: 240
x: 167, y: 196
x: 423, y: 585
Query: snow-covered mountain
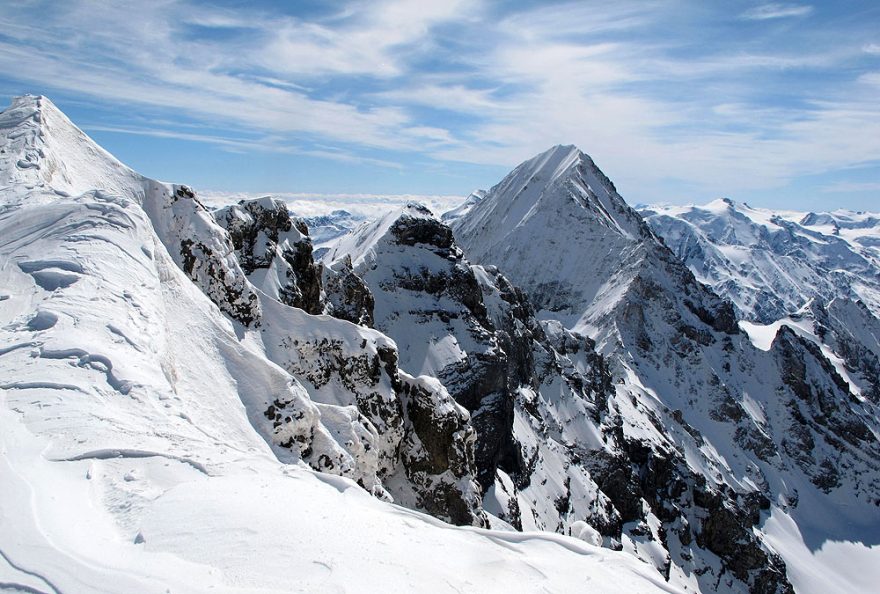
x: 771, y: 264
x: 162, y: 402
x: 324, y: 228
x: 462, y: 209
x: 819, y: 274
x: 728, y: 441
x: 539, y: 360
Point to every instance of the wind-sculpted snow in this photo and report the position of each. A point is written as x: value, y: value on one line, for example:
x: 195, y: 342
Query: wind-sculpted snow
x: 64, y: 162
x: 152, y: 443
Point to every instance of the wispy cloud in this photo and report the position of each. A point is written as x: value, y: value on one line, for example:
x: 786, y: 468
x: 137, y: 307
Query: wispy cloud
x: 315, y: 204
x: 776, y: 10
x: 146, y: 53
x: 848, y: 187
x: 233, y: 144
x: 656, y: 91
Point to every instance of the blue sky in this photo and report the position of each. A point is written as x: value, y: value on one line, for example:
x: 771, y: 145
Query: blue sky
x: 775, y: 104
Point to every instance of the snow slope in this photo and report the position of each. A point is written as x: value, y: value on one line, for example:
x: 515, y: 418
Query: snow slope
x: 821, y: 268
x: 770, y: 264
x: 137, y: 452
x: 717, y: 430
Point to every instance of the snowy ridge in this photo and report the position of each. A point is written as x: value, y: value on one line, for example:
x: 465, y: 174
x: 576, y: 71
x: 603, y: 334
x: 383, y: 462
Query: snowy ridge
x: 138, y: 423
x: 771, y: 264
x: 736, y: 432
x: 465, y: 207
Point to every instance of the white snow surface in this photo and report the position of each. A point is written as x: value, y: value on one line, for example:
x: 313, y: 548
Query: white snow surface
x: 556, y: 227
x: 772, y: 263
x: 133, y: 459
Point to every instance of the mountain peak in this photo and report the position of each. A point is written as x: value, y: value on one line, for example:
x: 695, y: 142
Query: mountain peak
x: 42, y: 148
x: 361, y: 244
x: 555, y: 203
x: 554, y: 163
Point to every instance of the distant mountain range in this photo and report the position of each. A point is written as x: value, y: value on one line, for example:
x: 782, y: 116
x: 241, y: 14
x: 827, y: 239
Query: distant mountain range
x: 669, y: 399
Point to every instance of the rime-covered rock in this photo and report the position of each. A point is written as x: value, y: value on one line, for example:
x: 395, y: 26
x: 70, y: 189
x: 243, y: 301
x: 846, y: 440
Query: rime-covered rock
x: 275, y: 251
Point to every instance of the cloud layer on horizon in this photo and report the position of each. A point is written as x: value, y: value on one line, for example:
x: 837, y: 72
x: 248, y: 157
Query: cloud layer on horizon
x: 737, y: 98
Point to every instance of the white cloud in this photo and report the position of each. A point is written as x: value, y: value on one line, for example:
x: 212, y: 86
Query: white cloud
x: 848, y: 187
x: 872, y: 48
x: 634, y: 83
x: 314, y: 204
x: 870, y: 78
x: 776, y: 10
x: 232, y: 144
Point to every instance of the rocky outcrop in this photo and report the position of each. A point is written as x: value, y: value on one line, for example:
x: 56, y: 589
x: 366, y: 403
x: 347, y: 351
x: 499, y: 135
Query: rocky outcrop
x: 347, y: 296
x: 408, y: 441
x: 203, y: 250
x: 268, y: 239
x: 428, y: 299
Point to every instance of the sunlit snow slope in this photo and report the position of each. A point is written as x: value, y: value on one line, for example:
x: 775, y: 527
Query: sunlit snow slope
x: 135, y: 453
x: 742, y: 456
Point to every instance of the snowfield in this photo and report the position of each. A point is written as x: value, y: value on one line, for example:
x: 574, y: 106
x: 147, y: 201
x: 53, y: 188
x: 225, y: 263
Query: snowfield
x: 242, y: 400
x: 135, y: 455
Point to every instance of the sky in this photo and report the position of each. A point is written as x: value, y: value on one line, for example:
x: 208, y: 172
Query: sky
x: 679, y: 101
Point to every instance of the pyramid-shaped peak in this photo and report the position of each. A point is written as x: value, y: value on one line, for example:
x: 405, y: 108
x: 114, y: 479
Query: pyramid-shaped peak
x: 42, y: 148
x: 37, y: 109
x: 554, y: 163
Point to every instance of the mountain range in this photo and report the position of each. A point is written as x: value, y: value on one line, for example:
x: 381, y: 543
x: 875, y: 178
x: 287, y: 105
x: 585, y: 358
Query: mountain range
x: 678, y: 399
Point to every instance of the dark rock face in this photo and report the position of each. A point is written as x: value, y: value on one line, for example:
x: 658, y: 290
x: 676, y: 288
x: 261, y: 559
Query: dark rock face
x: 427, y: 291
x: 853, y: 333
x: 205, y: 258
x: 419, y: 230
x: 447, y: 448
x: 414, y: 440
x: 347, y: 296
x: 263, y: 231
x: 437, y: 451
x: 823, y: 412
